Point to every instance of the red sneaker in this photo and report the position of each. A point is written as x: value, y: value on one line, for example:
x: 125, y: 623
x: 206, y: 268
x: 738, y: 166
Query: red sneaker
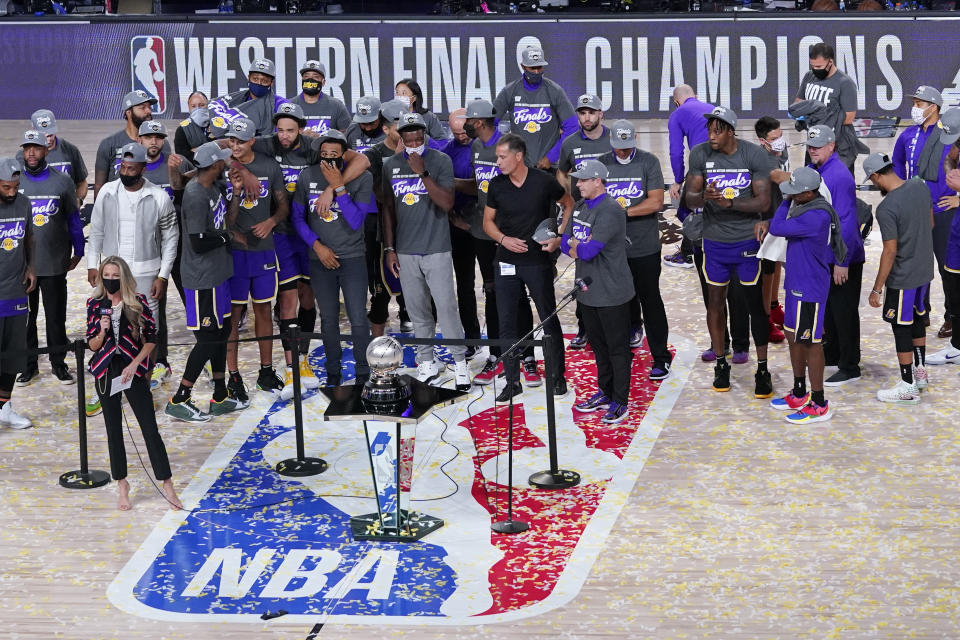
x: 776, y: 336
x: 776, y: 315
x: 488, y: 373
x: 530, y: 375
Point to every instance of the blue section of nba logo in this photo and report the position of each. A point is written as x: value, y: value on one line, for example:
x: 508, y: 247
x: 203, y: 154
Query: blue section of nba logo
x: 148, y: 70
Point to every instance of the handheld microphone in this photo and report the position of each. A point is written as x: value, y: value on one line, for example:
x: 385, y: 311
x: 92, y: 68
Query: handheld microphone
x: 106, y: 309
x: 582, y: 284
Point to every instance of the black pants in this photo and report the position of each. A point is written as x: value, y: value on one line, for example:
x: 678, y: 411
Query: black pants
x: 738, y: 315
x: 841, y: 322
x: 350, y: 278
x: 53, y: 289
x: 538, y: 280
x: 951, y: 283
x: 486, y: 251
x: 379, y: 296
x: 941, y: 234
x: 464, y: 254
x: 141, y: 402
x: 608, y: 330
x: 646, y: 283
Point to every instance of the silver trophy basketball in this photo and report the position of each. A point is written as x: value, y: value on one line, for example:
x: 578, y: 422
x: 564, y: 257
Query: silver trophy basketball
x: 385, y: 386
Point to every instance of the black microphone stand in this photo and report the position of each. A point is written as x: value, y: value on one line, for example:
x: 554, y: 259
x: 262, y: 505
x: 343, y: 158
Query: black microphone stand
x: 554, y: 478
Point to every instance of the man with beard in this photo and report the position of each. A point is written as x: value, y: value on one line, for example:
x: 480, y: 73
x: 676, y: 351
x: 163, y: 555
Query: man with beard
x: 257, y: 102
x: 539, y: 110
x: 137, y: 110
x: 61, y: 154
x: 366, y: 129
x: 56, y: 227
x: 321, y: 111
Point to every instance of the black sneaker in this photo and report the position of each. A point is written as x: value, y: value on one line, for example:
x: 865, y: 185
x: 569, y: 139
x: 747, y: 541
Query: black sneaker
x: 840, y: 378
x: 336, y: 381
x: 560, y: 387
x: 579, y: 341
x: 721, y: 376
x: 269, y: 381
x: 28, y: 376
x: 236, y: 389
x: 764, y: 385
x: 62, y: 373
x: 509, y: 391
x: 471, y: 351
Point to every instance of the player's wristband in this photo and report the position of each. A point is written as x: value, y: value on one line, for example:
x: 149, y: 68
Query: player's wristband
x: 389, y: 249
x: 879, y: 293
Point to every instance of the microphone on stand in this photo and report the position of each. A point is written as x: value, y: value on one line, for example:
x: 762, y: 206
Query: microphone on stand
x: 580, y: 284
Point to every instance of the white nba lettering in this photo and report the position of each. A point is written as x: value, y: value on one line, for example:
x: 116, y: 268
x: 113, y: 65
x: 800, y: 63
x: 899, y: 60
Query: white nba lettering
x: 523, y: 43
x: 313, y: 579
x: 713, y: 70
x: 224, y: 73
x: 302, y: 46
x: 852, y: 61
x: 476, y: 85
x: 803, y: 49
x: 749, y: 81
x: 250, y: 49
x: 445, y: 73
x: 889, y: 99
x: 500, y: 64
x: 671, y: 71
x: 784, y: 93
x: 420, y: 51
x: 336, y: 67
x: 636, y: 74
x: 598, y: 47
x: 194, y: 67
x: 232, y: 585
x: 280, y: 46
x: 400, y: 70
x: 378, y: 588
x: 364, y: 69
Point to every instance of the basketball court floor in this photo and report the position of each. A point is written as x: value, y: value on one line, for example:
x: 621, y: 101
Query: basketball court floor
x: 703, y: 515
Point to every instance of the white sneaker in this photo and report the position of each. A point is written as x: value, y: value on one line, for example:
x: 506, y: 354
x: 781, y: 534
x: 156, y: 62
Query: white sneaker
x: 920, y: 378
x: 12, y: 419
x: 945, y: 356
x: 428, y: 371
x: 308, y: 379
x: 461, y: 375
x: 287, y: 392
x: 901, y: 393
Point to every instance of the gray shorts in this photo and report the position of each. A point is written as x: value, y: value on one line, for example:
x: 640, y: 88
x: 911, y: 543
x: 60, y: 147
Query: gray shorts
x: 13, y: 337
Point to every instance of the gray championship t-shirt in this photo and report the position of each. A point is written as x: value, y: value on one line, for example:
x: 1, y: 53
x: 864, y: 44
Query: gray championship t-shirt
x: 734, y: 175
x: 326, y: 113
x: 612, y: 283
x: 422, y: 227
x: 535, y: 115
x: 332, y: 229
x: 485, y: 169
x: 628, y: 185
x: 14, y: 224
x: 66, y: 159
x: 359, y: 140
x: 108, y: 153
x: 576, y: 148
x: 904, y: 215
x: 292, y: 162
x: 158, y: 172
x: 52, y: 201
x: 256, y: 209
x: 204, y: 211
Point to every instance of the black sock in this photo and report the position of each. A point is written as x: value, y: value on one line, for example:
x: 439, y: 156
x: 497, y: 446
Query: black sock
x: 233, y: 373
x: 307, y: 318
x: 774, y: 304
x: 799, y: 387
x: 762, y: 366
x: 722, y: 361
x: 219, y: 389
x: 3, y: 401
x: 919, y: 356
x: 182, y: 394
x: 818, y: 399
x: 906, y: 373
x: 266, y: 368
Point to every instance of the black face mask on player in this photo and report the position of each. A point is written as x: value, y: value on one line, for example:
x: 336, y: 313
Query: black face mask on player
x: 311, y: 87
x: 130, y: 181
x: 821, y: 74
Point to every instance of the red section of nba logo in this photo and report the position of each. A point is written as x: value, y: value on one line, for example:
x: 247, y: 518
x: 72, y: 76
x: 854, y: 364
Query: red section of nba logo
x: 148, y: 69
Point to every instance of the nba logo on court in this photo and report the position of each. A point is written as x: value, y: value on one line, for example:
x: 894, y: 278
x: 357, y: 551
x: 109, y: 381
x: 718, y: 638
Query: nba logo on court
x: 148, y: 70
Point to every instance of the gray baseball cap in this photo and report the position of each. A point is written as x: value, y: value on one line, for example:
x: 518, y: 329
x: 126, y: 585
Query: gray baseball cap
x: 723, y: 114
x: 333, y: 135
x: 591, y: 168
x: 875, y: 162
x: 208, y: 153
x: 242, y: 129
x: 589, y: 101
x: 533, y: 57
x: 391, y: 110
x: 263, y: 65
x: 949, y: 125
x: 136, y: 151
x: 134, y: 98
x: 9, y: 169
x: 44, y: 121
x: 928, y: 94
x: 820, y: 136
x: 32, y: 136
x: 411, y: 121
x: 801, y: 179
x: 290, y: 110
x: 623, y: 135
x: 152, y: 128
x: 479, y: 109
x: 368, y: 110
x: 314, y: 65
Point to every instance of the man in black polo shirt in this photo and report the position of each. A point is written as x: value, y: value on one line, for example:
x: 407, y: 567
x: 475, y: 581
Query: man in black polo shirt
x: 517, y: 201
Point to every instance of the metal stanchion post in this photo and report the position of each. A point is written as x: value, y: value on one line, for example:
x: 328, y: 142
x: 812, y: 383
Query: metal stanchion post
x: 301, y: 465
x: 552, y: 478
x: 82, y: 478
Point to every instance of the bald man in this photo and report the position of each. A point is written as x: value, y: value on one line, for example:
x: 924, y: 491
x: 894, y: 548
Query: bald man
x: 461, y: 240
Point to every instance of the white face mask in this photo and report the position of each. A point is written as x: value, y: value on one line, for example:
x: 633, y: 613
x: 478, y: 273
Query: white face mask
x: 624, y: 160
x: 404, y: 99
x: 918, y: 114
x: 417, y: 150
x: 779, y: 144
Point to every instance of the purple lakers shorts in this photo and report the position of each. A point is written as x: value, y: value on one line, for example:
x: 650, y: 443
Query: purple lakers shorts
x: 721, y: 259
x: 901, y: 306
x: 803, y: 319
x: 254, y: 277
x: 293, y: 258
x: 951, y: 260
x: 207, y: 309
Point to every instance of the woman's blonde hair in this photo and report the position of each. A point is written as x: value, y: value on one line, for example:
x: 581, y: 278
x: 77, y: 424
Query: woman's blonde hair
x: 128, y: 291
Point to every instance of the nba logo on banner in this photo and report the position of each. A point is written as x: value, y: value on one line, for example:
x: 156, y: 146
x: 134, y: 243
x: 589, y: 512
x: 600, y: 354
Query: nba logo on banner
x: 147, y: 69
